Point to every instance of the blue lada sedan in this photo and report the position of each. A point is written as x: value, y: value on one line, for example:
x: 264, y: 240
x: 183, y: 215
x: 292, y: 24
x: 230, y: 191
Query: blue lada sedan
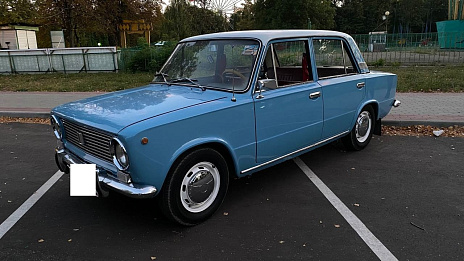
x: 224, y: 105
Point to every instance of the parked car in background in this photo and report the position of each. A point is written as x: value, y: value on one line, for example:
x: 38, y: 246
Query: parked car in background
x: 224, y: 105
x: 160, y: 43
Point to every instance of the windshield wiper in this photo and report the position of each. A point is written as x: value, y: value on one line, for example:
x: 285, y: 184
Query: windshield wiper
x: 164, y: 75
x: 192, y: 81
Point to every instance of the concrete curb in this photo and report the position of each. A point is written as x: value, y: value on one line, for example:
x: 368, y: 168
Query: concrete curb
x: 412, y: 123
x: 22, y: 114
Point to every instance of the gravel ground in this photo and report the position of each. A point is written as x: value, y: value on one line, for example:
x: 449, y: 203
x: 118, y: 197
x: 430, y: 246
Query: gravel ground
x: 24, y: 120
x: 422, y: 130
x: 416, y: 130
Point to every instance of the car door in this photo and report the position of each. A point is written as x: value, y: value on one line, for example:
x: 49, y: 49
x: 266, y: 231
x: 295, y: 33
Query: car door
x: 342, y: 84
x: 288, y: 106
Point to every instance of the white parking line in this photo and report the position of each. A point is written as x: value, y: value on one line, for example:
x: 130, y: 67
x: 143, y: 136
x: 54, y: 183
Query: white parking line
x: 374, y: 244
x: 19, y: 213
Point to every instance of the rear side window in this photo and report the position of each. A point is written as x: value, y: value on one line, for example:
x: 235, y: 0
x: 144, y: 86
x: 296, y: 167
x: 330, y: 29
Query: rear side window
x: 333, y: 58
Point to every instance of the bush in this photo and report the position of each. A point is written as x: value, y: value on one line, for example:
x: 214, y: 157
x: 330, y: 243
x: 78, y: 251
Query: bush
x: 148, y: 58
x: 379, y: 63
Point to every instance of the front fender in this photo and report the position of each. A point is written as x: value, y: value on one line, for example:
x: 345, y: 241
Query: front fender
x: 200, y: 142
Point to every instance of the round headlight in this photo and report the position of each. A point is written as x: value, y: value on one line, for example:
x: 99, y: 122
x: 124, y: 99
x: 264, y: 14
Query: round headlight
x: 56, y: 127
x: 119, y: 153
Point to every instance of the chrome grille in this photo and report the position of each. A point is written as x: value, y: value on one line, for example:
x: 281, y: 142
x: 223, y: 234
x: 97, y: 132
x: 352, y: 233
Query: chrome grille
x: 92, y: 141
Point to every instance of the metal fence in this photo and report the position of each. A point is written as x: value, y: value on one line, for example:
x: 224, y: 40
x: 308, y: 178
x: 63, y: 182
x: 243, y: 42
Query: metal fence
x: 66, y: 60
x: 395, y: 49
x: 413, y: 49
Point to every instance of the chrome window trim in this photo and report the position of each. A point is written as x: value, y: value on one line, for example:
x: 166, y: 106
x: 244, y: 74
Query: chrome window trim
x: 270, y: 45
x: 274, y: 64
x: 253, y: 69
x: 292, y: 153
x: 113, y: 153
x: 337, y: 76
x: 348, y: 50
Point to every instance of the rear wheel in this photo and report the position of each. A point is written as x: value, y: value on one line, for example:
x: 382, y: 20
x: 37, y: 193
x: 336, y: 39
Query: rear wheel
x: 361, y: 134
x: 196, y: 187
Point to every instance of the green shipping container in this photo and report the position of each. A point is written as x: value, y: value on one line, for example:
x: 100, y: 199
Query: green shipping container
x: 451, y: 34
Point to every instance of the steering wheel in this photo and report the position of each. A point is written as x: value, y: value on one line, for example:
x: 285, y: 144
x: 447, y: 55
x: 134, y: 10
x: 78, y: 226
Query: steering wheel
x: 234, y: 72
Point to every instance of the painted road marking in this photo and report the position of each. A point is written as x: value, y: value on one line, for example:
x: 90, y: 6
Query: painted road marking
x: 19, y: 213
x: 374, y: 244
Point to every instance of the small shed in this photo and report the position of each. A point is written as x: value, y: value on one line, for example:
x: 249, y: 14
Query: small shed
x: 377, y: 41
x: 16, y: 37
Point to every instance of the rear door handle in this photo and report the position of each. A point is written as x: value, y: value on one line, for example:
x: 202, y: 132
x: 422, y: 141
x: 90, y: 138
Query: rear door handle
x: 315, y: 95
x: 360, y: 85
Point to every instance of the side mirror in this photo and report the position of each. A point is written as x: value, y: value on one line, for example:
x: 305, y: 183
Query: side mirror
x: 267, y: 84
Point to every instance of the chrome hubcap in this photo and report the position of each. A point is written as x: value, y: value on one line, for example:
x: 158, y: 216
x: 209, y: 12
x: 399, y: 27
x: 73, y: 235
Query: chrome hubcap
x: 363, y: 126
x: 200, y: 187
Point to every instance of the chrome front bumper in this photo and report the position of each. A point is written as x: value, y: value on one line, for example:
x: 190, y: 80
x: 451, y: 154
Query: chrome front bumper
x: 105, y: 182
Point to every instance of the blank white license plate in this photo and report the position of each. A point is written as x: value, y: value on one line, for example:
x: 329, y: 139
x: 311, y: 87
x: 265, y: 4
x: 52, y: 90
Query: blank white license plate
x: 83, y: 180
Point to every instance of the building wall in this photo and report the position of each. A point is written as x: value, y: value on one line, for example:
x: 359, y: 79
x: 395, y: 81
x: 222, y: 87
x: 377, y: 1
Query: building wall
x: 8, y: 36
x: 19, y: 39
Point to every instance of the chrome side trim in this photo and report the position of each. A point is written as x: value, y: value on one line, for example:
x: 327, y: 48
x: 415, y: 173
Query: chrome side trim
x: 295, y: 152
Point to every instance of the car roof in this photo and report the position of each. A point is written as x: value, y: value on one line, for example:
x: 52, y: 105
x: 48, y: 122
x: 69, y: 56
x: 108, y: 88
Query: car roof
x: 266, y: 35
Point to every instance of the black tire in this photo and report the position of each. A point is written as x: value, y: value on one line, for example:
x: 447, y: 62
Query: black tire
x: 362, y: 131
x: 195, y: 188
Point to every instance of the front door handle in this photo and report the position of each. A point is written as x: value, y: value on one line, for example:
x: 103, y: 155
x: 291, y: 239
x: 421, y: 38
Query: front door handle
x: 360, y: 85
x: 315, y: 95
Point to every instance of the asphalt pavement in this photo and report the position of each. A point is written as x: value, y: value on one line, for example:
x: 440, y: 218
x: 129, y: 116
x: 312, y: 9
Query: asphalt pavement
x: 407, y: 191
x: 436, y: 109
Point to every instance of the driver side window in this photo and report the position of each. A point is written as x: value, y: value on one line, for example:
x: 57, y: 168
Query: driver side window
x: 287, y: 63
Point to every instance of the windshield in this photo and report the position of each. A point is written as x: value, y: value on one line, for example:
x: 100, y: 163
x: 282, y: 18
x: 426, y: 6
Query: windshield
x: 221, y: 64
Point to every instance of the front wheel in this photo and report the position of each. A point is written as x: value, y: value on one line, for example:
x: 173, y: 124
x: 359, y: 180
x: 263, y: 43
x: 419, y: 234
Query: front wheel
x: 196, y: 187
x: 362, y: 131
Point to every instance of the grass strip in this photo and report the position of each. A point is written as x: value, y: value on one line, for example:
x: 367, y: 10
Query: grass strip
x: 78, y: 82
x: 428, y: 79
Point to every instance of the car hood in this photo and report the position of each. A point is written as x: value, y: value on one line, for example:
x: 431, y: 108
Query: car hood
x: 114, y: 111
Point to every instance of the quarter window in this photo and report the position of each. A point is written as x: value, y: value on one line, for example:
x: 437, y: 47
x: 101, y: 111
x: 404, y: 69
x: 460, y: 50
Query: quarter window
x: 332, y: 58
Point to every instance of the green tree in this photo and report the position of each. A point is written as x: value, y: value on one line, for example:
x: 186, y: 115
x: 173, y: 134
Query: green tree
x: 350, y: 17
x: 86, y: 22
x: 243, y: 18
x: 74, y: 17
x: 281, y: 14
x: 17, y: 12
x: 406, y: 16
x: 374, y: 10
x: 418, y: 15
x: 182, y: 19
x: 3, y: 12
